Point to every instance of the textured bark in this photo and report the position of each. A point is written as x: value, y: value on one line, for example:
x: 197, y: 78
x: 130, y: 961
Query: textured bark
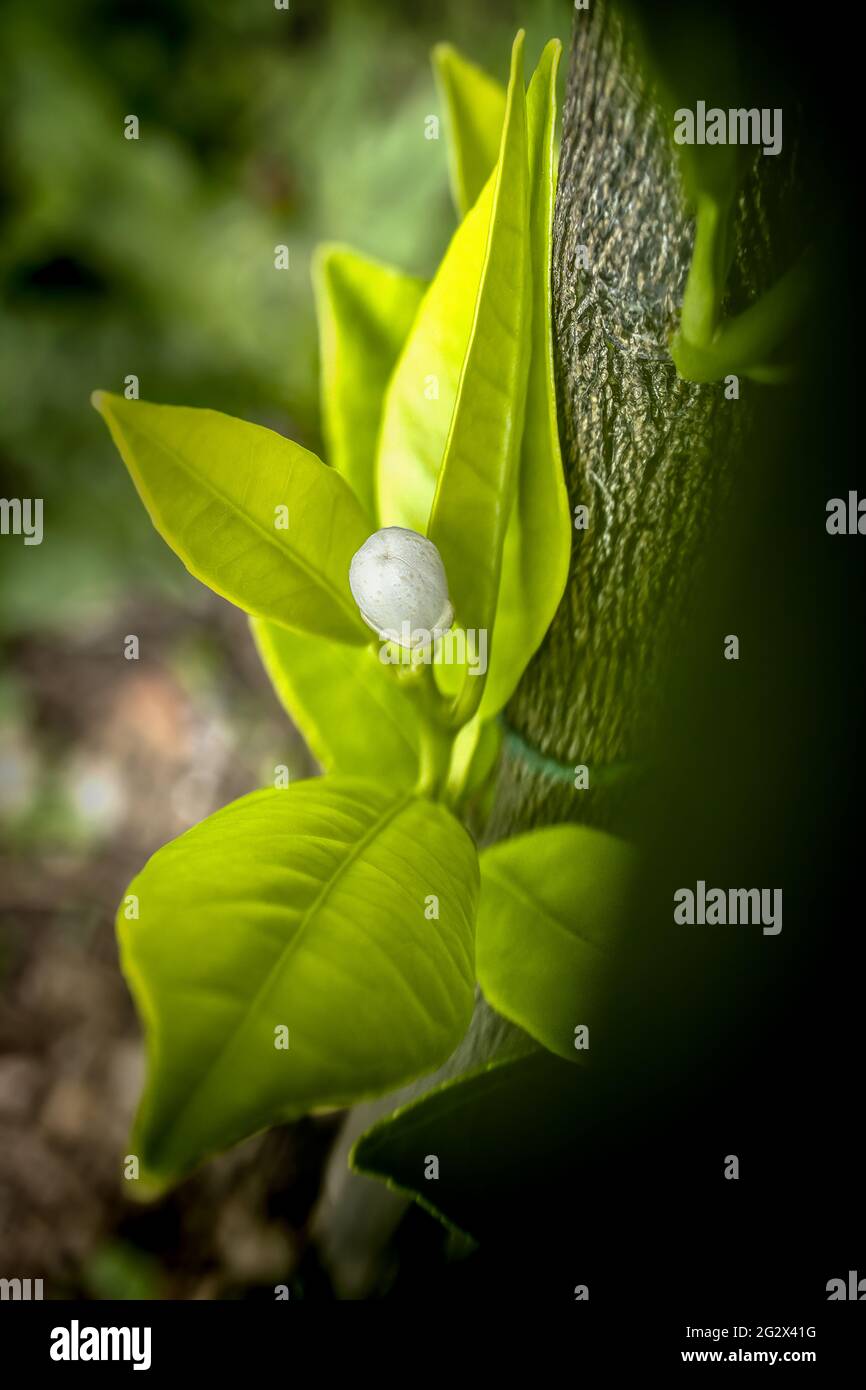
x: 653, y: 457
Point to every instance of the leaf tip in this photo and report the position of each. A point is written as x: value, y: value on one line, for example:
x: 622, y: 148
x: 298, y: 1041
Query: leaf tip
x: 552, y: 52
x: 517, y: 55
x: 442, y: 53
x: 149, y: 1188
x: 105, y: 403
x: 323, y: 255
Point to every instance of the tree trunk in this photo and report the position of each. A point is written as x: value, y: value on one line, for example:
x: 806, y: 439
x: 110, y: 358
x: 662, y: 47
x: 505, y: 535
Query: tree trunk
x: 652, y: 457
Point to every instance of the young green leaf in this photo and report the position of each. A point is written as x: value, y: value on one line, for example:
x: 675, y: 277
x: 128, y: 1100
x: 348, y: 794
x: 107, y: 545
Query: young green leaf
x: 538, y: 540
x: 475, y: 108
x: 352, y: 712
x: 747, y: 343
x: 420, y: 406
x: 420, y: 398
x: 475, y: 487
x: 475, y: 754
x: 550, y: 908
x: 257, y: 518
x: 365, y: 310
x: 283, y: 955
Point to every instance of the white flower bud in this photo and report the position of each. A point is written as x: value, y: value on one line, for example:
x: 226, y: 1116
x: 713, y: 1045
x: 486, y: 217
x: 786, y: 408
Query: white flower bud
x: 398, y: 581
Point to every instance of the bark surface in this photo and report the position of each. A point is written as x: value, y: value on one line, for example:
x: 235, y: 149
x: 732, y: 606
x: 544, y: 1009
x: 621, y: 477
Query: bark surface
x: 652, y: 457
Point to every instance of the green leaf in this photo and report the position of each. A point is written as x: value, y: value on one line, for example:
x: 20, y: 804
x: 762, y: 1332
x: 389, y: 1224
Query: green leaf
x: 302, y: 909
x: 420, y: 405
x: 745, y: 344
x: 365, y: 310
x: 422, y: 394
x: 498, y: 1134
x: 352, y: 712
x: 538, y: 540
x: 415, y: 432
x: 475, y: 107
x: 475, y: 755
x: 213, y: 486
x: 420, y: 398
x: 551, y: 905
x: 475, y: 487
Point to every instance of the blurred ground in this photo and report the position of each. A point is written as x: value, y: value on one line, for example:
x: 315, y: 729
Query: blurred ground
x: 117, y: 756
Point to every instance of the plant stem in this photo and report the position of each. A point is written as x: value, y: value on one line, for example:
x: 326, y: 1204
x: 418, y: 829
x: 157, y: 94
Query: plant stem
x: 435, y: 759
x: 745, y: 343
x: 436, y: 737
x: 705, y: 284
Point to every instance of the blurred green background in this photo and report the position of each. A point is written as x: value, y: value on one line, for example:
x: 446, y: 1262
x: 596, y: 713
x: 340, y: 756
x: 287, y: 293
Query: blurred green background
x: 155, y: 257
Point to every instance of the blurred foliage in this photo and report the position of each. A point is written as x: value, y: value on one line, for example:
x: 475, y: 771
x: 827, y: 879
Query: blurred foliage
x: 119, y: 1271
x: 155, y: 257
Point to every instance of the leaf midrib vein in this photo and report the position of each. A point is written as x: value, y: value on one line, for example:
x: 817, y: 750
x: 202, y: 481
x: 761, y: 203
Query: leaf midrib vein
x: 539, y: 909
x: 378, y: 826
x: 317, y: 576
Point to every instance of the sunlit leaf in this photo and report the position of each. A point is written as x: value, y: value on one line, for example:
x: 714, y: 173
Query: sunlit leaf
x: 552, y: 902
x: 282, y: 958
x: 475, y: 108
x: 351, y: 710
x: 537, y: 548
x: 475, y: 486
x: 257, y: 518
x: 365, y: 310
